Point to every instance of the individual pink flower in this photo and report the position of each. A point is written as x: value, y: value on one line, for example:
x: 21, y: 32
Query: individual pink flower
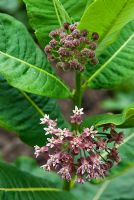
x: 46, y: 120
x: 76, y: 118
x: 65, y: 173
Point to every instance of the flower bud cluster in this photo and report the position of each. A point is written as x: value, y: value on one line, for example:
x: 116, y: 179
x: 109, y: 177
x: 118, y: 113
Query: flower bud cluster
x: 71, y: 48
x: 71, y: 153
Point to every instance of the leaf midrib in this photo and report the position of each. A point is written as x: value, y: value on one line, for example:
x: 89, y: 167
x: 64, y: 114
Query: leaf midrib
x: 34, y: 67
x: 37, y: 189
x: 107, y: 62
x: 30, y: 100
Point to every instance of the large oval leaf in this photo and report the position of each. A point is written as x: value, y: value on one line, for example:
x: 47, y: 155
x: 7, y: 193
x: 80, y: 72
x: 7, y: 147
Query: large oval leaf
x: 20, y: 112
x: 126, y: 119
x: 45, y: 15
x: 23, y: 64
x: 19, y: 185
x: 107, y: 18
x: 116, y: 63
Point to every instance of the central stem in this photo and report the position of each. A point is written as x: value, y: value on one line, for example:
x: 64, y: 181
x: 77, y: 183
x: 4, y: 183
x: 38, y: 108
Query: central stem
x: 78, y: 92
x: 77, y: 102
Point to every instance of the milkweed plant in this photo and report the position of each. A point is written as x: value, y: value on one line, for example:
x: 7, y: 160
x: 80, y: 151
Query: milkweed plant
x: 91, y: 40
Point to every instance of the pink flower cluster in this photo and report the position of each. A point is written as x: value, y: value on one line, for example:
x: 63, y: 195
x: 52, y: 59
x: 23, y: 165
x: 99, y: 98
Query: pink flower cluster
x: 71, y: 153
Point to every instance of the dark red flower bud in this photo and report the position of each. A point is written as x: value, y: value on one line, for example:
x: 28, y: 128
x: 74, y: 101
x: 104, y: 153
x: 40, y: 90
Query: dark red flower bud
x: 53, y: 34
x: 72, y: 27
x: 85, y: 52
x: 76, y: 42
x: 95, y: 36
x: 94, y: 61
x: 63, y: 52
x: 63, y: 35
x: 93, y: 45
x: 84, y: 33
x: 68, y: 43
x: 91, y: 54
x: 48, y: 49
x: 69, y: 37
x: 66, y: 25
x: 51, y: 58
x: 76, y: 33
x: 53, y: 43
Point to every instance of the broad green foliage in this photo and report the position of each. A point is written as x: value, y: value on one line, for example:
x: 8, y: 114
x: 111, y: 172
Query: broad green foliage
x: 126, y: 119
x: 9, y: 5
x: 107, y: 18
x: 32, y: 187
x: 20, y: 112
x: 27, y: 164
x: 116, y: 63
x: 43, y: 15
x: 117, y: 188
x: 23, y: 64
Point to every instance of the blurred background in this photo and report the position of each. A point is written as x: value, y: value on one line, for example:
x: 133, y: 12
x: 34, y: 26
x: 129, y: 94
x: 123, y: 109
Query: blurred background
x: 94, y: 101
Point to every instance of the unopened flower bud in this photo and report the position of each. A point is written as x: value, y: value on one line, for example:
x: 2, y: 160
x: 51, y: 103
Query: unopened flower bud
x: 48, y: 49
x: 76, y: 42
x: 85, y: 52
x: 95, y: 36
x: 91, y: 54
x: 68, y: 43
x: 62, y: 51
x: 84, y: 33
x: 93, y: 45
x: 53, y: 34
x: 76, y: 33
x: 72, y: 27
x: 66, y: 25
x: 94, y: 61
x: 53, y: 43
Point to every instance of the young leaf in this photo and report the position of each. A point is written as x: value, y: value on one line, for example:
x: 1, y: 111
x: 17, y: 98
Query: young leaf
x: 45, y: 15
x: 126, y: 119
x: 116, y: 63
x: 20, y: 112
x: 23, y: 64
x: 19, y: 185
x: 107, y: 18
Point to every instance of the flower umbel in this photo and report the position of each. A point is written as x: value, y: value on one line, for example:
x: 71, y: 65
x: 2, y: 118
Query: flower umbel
x: 71, y: 48
x: 77, y: 152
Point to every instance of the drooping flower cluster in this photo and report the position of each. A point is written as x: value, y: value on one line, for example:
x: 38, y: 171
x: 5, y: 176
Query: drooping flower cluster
x: 71, y: 48
x: 71, y: 153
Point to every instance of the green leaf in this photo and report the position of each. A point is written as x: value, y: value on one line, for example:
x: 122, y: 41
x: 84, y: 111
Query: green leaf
x: 19, y: 185
x: 44, y: 16
x: 20, y: 112
x: 28, y: 164
x: 125, y: 119
x: 9, y: 6
x: 23, y: 64
x: 116, y: 63
x: 107, y: 18
x: 120, y: 188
